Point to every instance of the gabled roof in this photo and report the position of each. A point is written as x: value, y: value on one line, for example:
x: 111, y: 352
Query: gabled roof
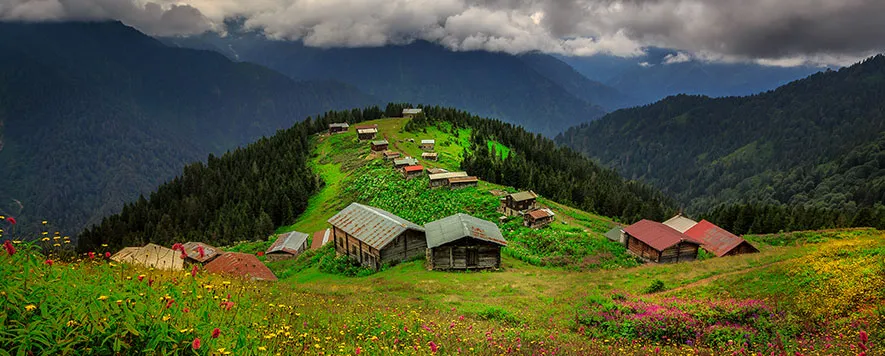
x: 151, y: 255
x: 459, y: 226
x: 414, y: 168
x: 367, y: 130
x: 447, y: 175
x: 360, y: 127
x: 321, y: 238
x: 657, y: 235
x: 521, y: 196
x: 429, y: 154
x: 714, y: 238
x: 339, y: 124
x: 371, y: 225
x: 242, y: 265
x: 463, y: 180
x: 680, y: 223
x: 428, y: 142
x: 541, y: 213
x: 436, y: 170
x: 379, y: 142
x: 288, y: 243
x: 614, y: 234
x: 126, y: 255
x: 411, y: 111
x: 192, y: 249
x: 408, y: 161
x: 391, y: 154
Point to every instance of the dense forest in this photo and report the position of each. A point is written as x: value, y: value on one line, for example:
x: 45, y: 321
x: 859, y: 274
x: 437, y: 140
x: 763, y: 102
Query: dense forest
x: 94, y: 114
x: 814, y: 145
x: 246, y: 193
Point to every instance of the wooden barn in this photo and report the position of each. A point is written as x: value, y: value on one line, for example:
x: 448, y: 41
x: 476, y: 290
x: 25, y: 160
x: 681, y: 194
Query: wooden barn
x: 538, y: 218
x: 241, y: 265
x: 379, y: 146
x: 374, y: 237
x: 427, y: 145
x: 200, y: 253
x: 719, y: 241
x: 391, y: 155
x: 656, y: 242
x: 463, y: 182
x: 288, y: 246
x: 410, y: 172
x: 680, y: 223
x: 404, y: 162
x: 338, y: 127
x: 461, y: 242
x: 411, y: 112
x: 442, y: 179
x: 368, y: 132
x: 518, y: 203
x: 430, y: 156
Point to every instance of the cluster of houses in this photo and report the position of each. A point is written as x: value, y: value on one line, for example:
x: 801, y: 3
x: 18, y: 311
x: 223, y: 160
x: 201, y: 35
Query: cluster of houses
x: 212, y: 260
x: 525, y: 204
x: 678, y: 239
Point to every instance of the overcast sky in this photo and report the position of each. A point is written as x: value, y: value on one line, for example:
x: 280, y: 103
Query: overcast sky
x: 771, y: 32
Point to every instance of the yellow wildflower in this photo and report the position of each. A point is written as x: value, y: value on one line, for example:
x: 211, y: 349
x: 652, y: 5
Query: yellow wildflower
x: 30, y: 307
x: 103, y: 297
x: 262, y: 348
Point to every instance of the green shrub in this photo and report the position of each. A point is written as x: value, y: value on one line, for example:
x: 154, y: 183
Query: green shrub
x: 656, y: 286
x: 498, y: 314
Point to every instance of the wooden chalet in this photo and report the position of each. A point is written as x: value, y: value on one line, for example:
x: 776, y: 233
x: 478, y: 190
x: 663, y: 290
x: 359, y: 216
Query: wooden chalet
x: 288, y: 246
x: 538, y: 218
x: 404, y: 162
x: 367, y: 132
x: 379, y: 146
x: 518, y: 203
x: 463, y: 242
x: 241, y: 265
x: 200, y: 253
x: 656, y: 242
x: 410, y: 172
x: 719, y: 241
x: 680, y: 223
x: 427, y: 145
x: 338, y: 127
x: 411, y: 112
x: 442, y: 179
x: 463, y: 182
x: 391, y: 155
x: 430, y: 156
x: 374, y: 237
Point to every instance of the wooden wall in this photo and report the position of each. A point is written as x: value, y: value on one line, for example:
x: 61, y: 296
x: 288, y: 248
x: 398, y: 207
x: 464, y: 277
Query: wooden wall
x: 681, y: 252
x: 641, y: 249
x: 357, y: 250
x: 455, y: 255
x: 405, y: 246
x: 743, y: 248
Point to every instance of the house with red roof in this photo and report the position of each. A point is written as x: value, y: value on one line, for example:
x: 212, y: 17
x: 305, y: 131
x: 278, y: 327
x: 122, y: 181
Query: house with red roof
x: 719, y: 241
x: 413, y: 171
x: 242, y: 265
x: 659, y: 243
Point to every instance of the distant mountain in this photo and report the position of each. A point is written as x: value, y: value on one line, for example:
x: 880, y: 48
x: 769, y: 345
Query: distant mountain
x: 817, y: 143
x: 94, y: 114
x: 536, y: 91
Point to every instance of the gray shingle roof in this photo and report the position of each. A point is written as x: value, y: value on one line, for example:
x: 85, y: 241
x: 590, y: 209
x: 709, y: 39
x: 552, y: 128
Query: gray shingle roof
x: 288, y: 242
x: 458, y: 226
x: 523, y: 196
x: 371, y: 225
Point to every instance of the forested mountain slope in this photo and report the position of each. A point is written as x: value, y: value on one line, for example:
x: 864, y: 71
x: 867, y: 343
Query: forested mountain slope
x: 94, y: 114
x: 814, y: 143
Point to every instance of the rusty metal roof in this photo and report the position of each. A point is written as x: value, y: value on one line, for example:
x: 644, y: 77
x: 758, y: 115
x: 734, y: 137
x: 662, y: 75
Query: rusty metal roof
x: 288, y: 243
x: 541, y: 213
x: 657, y: 235
x: 192, y: 249
x: 459, y: 226
x: 371, y: 225
x: 414, y: 169
x: 447, y: 175
x: 408, y: 161
x: 463, y: 180
x: 521, y: 196
x: 391, y: 154
x: 241, y: 265
x: 714, y: 238
x: 321, y: 238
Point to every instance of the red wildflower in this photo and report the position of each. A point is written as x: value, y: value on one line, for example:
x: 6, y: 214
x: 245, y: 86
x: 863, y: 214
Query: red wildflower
x: 196, y: 344
x: 215, y: 333
x: 107, y: 255
x: 150, y: 282
x: 169, y: 303
x: 194, y: 271
x: 260, y: 253
x: 183, y: 255
x: 91, y: 255
x: 186, y: 310
x: 8, y: 246
x: 202, y: 251
x: 11, y: 220
x: 863, y: 336
x: 49, y: 262
x: 140, y: 278
x: 227, y: 305
x: 433, y: 347
x: 178, y: 247
x: 358, y: 350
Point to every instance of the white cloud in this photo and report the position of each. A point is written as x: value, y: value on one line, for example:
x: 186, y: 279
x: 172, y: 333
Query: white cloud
x: 679, y: 57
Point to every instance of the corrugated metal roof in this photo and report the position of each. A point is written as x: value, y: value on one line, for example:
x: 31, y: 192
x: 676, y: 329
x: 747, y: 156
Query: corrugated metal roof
x: 714, y: 238
x: 521, y: 196
x: 657, y: 235
x: 614, y: 234
x: 463, y: 180
x: 367, y: 131
x: 321, y: 238
x: 414, y: 168
x: 360, y: 127
x: 242, y: 265
x: 192, y: 249
x: 339, y: 124
x: 288, y: 243
x: 151, y: 255
x: 429, y: 154
x: 680, y: 223
x: 436, y: 170
x: 408, y: 161
x: 371, y: 225
x: 459, y: 226
x: 411, y: 111
x: 424, y: 142
x: 541, y: 213
x: 126, y: 255
x: 391, y: 154
x: 379, y: 142
x: 447, y: 175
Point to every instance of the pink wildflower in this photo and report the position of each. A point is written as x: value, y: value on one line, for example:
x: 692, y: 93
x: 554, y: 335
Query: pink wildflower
x: 194, y: 271
x: 215, y: 333
x: 433, y: 347
x: 91, y: 255
x: 196, y: 344
x: 9, y: 248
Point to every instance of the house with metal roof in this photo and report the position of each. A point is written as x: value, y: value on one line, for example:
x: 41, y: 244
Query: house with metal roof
x: 719, y: 241
x: 518, y: 203
x: 463, y: 242
x: 375, y: 237
x: 538, y: 218
x: 367, y: 133
x: 680, y: 223
x: 410, y: 172
x: 427, y: 145
x: 656, y: 242
x: 391, y: 155
x: 436, y: 171
x: 430, y: 156
x: 198, y: 252
x: 404, y: 162
x: 442, y: 179
x: 241, y: 265
x: 411, y: 112
x: 463, y: 182
x: 338, y: 127
x: 152, y: 256
x: 379, y: 146
x: 287, y: 246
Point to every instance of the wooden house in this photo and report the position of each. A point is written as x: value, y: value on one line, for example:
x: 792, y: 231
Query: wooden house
x: 365, y: 133
x: 680, y: 223
x: 410, y: 172
x: 656, y: 242
x: 427, y: 145
x: 288, y: 246
x: 411, y: 112
x: 462, y: 182
x: 338, y: 127
x: 463, y: 242
x: 518, y: 203
x: 241, y: 265
x: 719, y: 241
x: 374, y: 237
x: 404, y: 162
x: 538, y: 218
x: 430, y: 156
x: 442, y: 179
x: 379, y: 146
x: 200, y: 253
x: 391, y: 155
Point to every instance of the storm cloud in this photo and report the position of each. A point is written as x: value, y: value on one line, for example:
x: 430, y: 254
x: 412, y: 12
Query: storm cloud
x: 771, y: 32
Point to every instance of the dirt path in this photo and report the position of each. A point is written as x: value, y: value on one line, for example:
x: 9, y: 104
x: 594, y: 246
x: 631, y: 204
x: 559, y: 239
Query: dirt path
x: 723, y: 275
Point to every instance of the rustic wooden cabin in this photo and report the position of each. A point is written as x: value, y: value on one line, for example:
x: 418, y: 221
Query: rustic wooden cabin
x: 680, y: 223
x: 288, y: 246
x: 427, y: 145
x: 411, y: 112
x: 379, y: 146
x: 436, y: 171
x: 518, y: 203
x: 338, y: 127
x: 374, y: 237
x: 719, y: 241
x: 410, y: 172
x: 241, y: 265
x: 656, y: 242
x: 404, y: 162
x: 538, y: 218
x: 442, y: 179
x: 463, y: 182
x: 463, y: 242
x: 200, y: 253
x: 391, y: 155
x: 430, y: 156
x: 366, y: 133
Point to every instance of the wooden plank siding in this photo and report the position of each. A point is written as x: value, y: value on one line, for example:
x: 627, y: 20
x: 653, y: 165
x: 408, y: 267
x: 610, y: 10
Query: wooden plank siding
x: 407, y: 245
x: 465, y: 254
x: 681, y: 252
